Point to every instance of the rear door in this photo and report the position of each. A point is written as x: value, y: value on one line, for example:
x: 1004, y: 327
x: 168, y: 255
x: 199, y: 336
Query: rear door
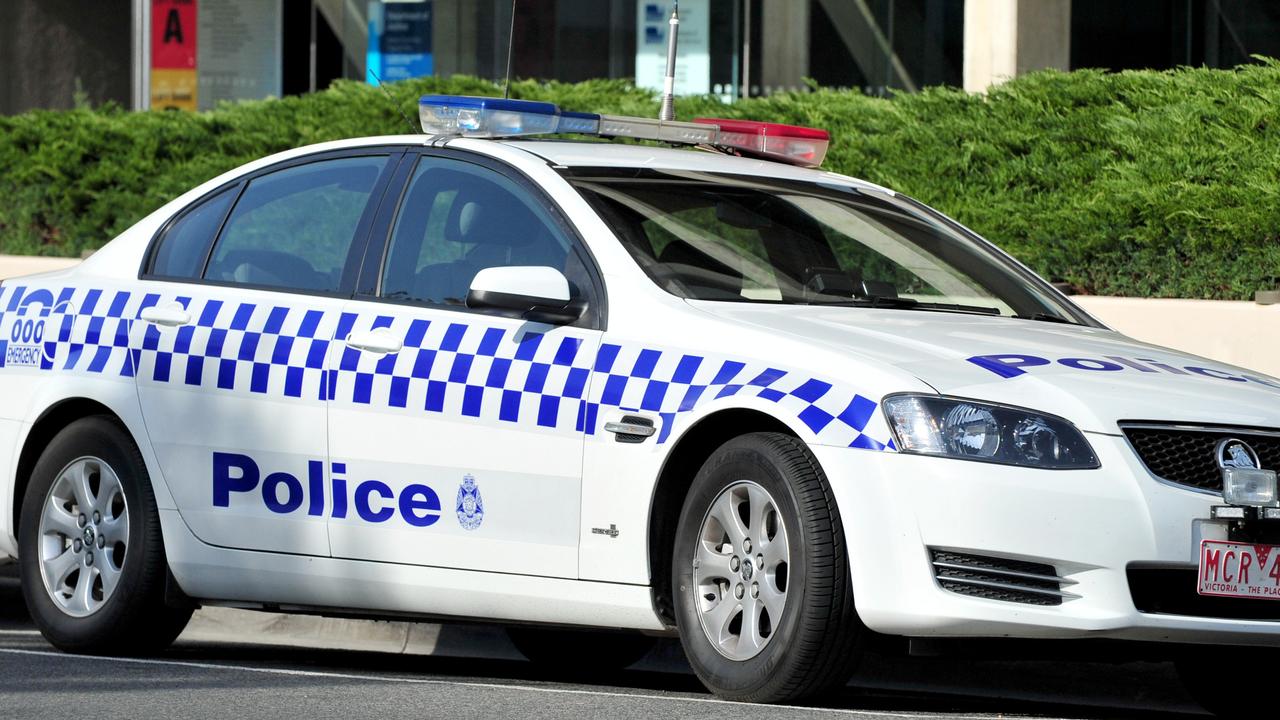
x: 460, y: 432
x: 243, y: 293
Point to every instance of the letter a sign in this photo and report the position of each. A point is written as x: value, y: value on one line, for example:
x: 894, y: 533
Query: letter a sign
x: 173, y: 54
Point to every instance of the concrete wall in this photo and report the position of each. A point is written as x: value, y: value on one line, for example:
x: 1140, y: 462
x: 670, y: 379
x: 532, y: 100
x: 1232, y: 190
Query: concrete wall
x: 15, y: 265
x: 1240, y: 333
x: 1006, y: 38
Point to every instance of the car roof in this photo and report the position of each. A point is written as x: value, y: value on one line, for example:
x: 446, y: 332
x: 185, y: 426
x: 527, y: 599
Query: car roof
x: 605, y: 154
x: 598, y: 154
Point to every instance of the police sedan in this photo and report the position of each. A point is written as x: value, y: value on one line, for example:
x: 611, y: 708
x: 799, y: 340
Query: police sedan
x: 574, y: 385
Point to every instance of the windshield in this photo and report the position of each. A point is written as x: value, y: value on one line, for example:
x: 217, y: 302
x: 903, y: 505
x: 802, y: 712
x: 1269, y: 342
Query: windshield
x: 732, y: 238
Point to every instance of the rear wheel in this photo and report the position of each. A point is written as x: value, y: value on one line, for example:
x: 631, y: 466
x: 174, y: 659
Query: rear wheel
x: 580, y: 649
x: 91, y: 557
x: 762, y: 591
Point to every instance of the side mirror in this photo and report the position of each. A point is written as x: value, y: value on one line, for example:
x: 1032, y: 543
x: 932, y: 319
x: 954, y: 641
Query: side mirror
x: 535, y: 293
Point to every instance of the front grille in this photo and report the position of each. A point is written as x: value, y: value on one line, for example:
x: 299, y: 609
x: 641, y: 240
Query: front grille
x: 1172, y: 591
x: 998, y: 579
x: 1186, y: 456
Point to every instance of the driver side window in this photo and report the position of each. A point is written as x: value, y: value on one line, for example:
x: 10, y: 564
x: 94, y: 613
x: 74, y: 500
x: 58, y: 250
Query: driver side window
x: 457, y: 219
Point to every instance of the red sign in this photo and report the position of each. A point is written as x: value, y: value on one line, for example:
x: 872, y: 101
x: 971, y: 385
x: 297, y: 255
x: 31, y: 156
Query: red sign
x: 173, y: 34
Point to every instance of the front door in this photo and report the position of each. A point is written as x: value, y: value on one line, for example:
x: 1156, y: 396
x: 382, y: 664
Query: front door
x: 460, y: 433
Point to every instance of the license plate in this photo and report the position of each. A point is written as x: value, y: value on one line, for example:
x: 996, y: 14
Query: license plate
x: 1242, y: 570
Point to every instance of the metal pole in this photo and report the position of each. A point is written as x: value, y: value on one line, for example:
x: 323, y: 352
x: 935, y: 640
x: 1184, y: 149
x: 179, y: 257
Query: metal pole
x: 736, y: 80
x: 668, y: 111
x: 746, y: 49
x: 311, y: 60
x: 888, y: 65
x: 511, y: 46
x: 140, y: 40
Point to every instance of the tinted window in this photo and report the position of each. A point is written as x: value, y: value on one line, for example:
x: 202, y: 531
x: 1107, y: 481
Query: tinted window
x: 294, y: 228
x: 185, y: 244
x: 456, y: 220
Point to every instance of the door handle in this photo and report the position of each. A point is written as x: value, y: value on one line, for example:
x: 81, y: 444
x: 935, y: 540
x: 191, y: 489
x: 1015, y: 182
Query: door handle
x: 171, y: 315
x: 379, y: 341
x: 631, y: 429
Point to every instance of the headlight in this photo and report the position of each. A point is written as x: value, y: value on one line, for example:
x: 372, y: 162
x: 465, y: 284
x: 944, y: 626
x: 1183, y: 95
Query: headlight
x: 948, y: 427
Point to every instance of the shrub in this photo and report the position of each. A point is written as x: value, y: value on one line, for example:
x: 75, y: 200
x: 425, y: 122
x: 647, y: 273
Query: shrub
x: 1160, y: 184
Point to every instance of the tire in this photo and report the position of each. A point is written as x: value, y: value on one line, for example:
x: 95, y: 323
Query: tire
x: 773, y: 481
x: 580, y: 650
x: 1200, y: 674
x: 106, y: 572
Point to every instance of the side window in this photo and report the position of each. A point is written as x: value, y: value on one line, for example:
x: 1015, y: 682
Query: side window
x: 293, y: 229
x: 185, y: 245
x: 458, y: 219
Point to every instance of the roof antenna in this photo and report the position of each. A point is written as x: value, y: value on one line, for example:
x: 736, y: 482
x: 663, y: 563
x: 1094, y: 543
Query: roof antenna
x: 668, y: 111
x: 413, y: 129
x: 511, y: 43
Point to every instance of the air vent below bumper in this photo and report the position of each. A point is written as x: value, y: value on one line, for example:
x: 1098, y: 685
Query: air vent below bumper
x: 999, y: 579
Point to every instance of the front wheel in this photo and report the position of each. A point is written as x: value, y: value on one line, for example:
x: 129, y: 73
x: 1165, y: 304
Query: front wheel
x: 91, y: 557
x: 763, y: 597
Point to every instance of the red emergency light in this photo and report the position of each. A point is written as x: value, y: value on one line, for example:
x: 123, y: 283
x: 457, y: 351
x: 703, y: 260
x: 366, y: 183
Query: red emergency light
x: 772, y: 141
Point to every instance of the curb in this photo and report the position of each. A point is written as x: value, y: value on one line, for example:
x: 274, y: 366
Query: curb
x: 233, y: 625
x: 19, y: 265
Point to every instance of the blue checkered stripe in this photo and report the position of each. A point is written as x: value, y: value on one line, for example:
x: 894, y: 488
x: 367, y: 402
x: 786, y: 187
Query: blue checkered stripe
x: 259, y: 348
x: 671, y: 384
x: 463, y: 370
x: 86, y: 330
x: 455, y: 369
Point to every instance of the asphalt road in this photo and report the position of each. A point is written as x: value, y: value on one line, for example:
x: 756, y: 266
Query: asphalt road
x: 215, y: 679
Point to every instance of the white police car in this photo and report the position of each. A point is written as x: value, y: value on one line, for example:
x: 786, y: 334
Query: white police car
x: 591, y: 385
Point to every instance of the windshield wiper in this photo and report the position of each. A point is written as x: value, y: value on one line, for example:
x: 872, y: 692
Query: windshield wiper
x: 1047, y: 317
x: 901, y: 303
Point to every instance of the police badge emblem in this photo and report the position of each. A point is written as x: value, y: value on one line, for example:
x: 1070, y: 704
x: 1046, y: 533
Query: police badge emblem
x: 470, y: 504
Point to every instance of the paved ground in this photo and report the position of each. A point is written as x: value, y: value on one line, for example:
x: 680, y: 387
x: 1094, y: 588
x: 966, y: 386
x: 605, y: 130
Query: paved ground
x: 203, y: 677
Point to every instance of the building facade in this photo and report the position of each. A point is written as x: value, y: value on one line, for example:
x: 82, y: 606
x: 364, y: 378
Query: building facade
x: 192, y: 54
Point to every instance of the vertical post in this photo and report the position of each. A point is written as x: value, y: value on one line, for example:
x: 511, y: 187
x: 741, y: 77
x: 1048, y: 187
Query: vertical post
x: 736, y: 93
x: 140, y: 47
x: 746, y: 49
x: 311, y: 57
x: 888, y: 65
x: 668, y: 109
x: 784, y: 44
x: 1006, y: 38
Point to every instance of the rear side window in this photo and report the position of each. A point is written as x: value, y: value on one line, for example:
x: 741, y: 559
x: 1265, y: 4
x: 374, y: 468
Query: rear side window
x: 185, y: 244
x: 293, y: 229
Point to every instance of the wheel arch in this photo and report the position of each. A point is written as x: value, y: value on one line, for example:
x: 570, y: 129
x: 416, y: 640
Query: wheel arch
x: 682, y: 463
x: 50, y: 422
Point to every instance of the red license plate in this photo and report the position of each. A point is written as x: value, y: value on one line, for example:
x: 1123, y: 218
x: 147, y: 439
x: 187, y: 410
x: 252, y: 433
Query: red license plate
x: 1242, y: 570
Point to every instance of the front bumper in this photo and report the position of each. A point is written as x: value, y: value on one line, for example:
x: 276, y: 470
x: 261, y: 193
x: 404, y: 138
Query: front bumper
x: 1092, y: 526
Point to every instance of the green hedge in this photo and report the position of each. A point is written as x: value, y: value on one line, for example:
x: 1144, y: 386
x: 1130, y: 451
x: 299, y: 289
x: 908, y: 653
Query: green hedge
x: 1139, y: 183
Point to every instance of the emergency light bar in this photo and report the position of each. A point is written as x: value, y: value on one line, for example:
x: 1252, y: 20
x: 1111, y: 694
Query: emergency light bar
x: 479, y: 117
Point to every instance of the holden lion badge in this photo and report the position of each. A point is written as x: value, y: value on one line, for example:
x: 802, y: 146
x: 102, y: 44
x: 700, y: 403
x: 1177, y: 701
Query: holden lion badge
x: 470, y: 504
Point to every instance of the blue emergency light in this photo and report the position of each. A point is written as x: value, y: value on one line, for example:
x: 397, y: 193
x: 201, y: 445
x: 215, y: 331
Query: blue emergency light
x: 578, y: 123
x: 482, y: 117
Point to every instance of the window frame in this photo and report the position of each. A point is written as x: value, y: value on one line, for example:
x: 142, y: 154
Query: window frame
x: 373, y: 267
x: 359, y: 244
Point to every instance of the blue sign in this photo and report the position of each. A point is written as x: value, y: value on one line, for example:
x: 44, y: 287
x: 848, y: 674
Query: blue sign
x: 399, y: 41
